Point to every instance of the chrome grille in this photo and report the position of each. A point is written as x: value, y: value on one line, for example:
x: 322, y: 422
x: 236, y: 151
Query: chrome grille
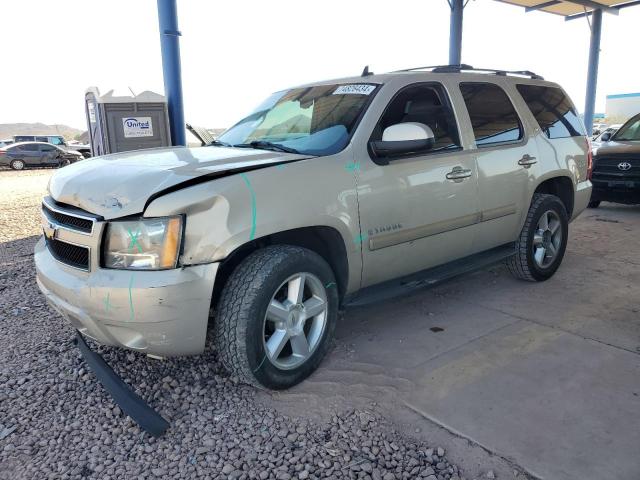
x: 70, y: 234
x: 73, y: 255
x: 66, y: 220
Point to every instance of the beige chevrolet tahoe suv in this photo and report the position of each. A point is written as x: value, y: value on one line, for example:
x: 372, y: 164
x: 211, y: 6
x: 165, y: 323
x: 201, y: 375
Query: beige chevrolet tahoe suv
x: 327, y: 195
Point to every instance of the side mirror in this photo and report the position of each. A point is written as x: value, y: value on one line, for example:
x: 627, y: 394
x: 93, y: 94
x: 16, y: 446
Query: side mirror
x: 403, y: 138
x: 606, y: 137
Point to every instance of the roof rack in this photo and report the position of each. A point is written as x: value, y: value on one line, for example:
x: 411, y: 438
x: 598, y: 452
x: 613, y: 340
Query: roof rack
x: 468, y: 68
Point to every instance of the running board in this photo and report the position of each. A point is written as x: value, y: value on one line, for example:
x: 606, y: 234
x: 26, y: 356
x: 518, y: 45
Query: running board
x: 130, y: 403
x: 431, y: 276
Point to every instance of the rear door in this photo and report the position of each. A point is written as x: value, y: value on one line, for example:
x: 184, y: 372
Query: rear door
x: 413, y: 213
x: 506, y: 156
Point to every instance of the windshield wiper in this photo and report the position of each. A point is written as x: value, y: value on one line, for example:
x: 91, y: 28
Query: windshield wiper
x: 218, y: 143
x: 265, y: 145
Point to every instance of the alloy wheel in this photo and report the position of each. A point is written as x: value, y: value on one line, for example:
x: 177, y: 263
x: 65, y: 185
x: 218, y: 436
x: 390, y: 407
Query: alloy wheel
x: 547, y: 239
x: 295, y: 321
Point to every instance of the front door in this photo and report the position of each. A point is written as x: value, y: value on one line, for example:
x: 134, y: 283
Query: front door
x: 420, y: 210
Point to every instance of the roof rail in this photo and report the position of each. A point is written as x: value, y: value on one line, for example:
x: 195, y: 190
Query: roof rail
x: 468, y: 68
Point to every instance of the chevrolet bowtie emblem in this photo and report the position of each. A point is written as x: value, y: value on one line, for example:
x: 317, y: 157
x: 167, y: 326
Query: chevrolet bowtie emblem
x: 50, y: 230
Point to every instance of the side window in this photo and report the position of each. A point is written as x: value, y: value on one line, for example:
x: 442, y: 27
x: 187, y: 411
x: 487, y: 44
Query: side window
x: 553, y: 110
x: 425, y: 103
x: 493, y: 118
x: 42, y: 139
x: 30, y: 147
x: 56, y: 140
x: 47, y: 148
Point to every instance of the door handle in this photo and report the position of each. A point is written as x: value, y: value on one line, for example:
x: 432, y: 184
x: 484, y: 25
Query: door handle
x: 527, y: 160
x: 458, y: 174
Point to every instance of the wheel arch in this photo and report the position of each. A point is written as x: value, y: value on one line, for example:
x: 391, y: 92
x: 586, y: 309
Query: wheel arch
x: 324, y: 240
x: 562, y: 187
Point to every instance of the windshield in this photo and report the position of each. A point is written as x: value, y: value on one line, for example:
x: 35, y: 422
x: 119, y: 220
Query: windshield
x: 312, y: 120
x: 630, y: 131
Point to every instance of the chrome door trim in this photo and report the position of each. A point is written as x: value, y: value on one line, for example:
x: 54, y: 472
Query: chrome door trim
x: 408, y: 235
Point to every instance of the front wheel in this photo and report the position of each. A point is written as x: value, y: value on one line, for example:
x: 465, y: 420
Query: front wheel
x: 276, y: 316
x: 543, y: 240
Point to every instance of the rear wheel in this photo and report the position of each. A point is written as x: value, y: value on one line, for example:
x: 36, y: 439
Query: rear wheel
x: 276, y: 316
x: 17, y: 164
x: 543, y: 240
x: 593, y: 204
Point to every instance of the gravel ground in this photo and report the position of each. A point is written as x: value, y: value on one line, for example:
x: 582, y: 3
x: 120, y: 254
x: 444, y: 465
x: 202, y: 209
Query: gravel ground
x: 57, y: 422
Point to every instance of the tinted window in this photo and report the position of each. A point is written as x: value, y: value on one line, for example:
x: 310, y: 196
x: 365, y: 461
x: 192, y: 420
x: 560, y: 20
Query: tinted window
x: 47, y: 148
x: 42, y: 139
x: 23, y: 138
x: 553, y: 110
x: 422, y: 103
x: 32, y: 147
x: 493, y: 118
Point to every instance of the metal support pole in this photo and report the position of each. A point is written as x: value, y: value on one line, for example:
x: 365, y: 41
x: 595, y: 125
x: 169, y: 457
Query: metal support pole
x: 170, y: 47
x: 592, y: 74
x: 455, y: 32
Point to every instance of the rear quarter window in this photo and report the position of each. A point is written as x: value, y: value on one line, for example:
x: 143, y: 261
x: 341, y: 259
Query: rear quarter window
x: 493, y: 117
x: 553, y: 110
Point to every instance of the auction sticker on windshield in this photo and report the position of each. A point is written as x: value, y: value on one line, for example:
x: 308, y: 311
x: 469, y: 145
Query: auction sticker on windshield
x: 137, y: 127
x: 355, y: 89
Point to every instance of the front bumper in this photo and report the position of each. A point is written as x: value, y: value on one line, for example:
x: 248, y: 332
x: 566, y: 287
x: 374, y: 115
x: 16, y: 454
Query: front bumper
x: 162, y: 313
x: 619, y: 191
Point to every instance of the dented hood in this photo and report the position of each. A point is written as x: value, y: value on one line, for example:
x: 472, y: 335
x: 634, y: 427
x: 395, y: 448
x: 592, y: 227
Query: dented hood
x: 118, y: 185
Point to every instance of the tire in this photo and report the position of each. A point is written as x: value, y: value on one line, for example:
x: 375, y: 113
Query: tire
x: 243, y: 330
x: 64, y: 163
x: 528, y: 263
x: 17, y: 164
x: 593, y: 204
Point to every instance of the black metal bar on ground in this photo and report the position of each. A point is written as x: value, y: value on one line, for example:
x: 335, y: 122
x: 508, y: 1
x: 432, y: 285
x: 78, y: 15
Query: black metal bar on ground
x: 130, y: 403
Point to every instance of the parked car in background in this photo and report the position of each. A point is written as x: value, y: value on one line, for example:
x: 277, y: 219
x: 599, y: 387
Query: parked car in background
x: 6, y: 142
x: 57, y: 140
x: 27, y: 154
x: 616, y: 166
x: 605, y: 136
x: 598, y: 128
x: 329, y: 194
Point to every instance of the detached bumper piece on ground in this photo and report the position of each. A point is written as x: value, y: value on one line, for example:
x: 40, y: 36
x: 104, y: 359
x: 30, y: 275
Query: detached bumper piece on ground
x: 130, y: 403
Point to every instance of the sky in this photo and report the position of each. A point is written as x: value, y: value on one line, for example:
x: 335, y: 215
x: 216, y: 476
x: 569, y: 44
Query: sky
x: 235, y: 53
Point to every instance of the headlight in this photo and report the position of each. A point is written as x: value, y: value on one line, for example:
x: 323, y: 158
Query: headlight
x: 145, y: 244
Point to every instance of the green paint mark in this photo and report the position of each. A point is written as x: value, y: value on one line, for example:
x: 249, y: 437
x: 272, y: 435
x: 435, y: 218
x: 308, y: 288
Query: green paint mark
x: 363, y: 237
x: 107, y: 302
x: 330, y: 284
x: 281, y: 166
x: 134, y: 240
x: 253, y: 206
x: 352, y: 167
x: 131, y: 313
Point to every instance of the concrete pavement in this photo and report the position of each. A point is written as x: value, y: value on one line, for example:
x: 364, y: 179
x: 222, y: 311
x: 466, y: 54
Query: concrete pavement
x: 544, y: 377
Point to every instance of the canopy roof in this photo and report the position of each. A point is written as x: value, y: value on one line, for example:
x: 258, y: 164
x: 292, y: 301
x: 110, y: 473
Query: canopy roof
x: 568, y: 8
